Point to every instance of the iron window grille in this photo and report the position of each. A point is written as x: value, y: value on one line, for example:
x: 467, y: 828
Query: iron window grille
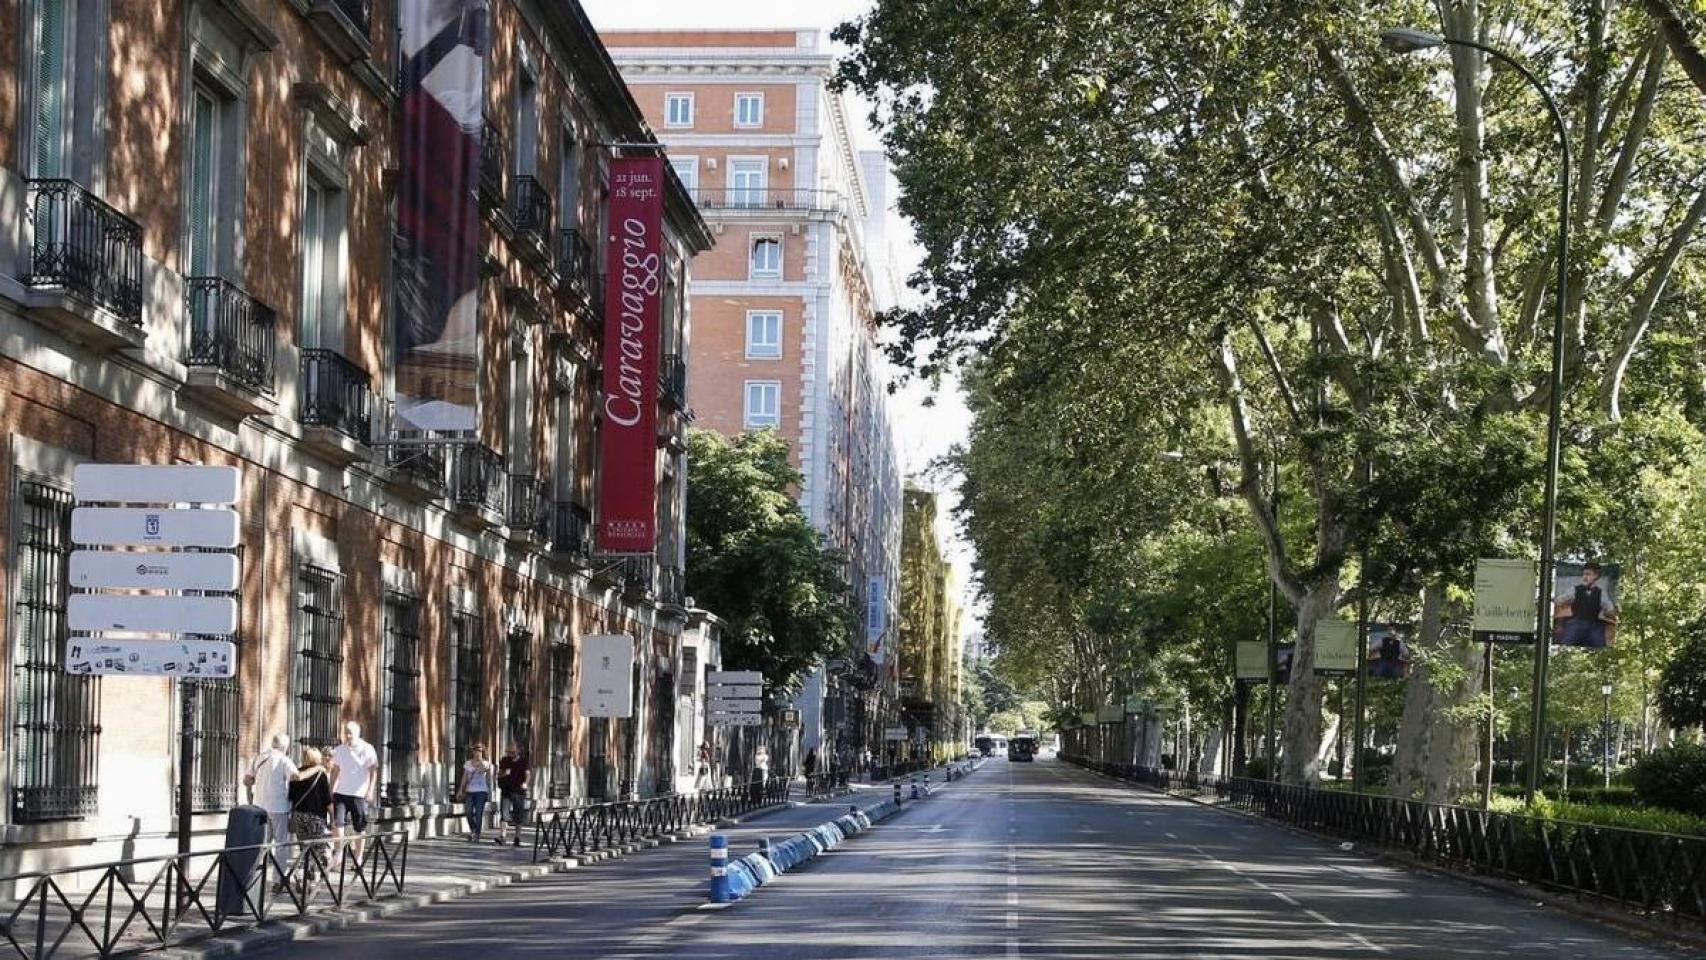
x: 468, y: 684
x: 319, y: 657
x: 518, y: 696
x: 402, y: 676
x: 218, y: 715
x: 56, y: 725
x: 597, y: 758
x: 562, y: 673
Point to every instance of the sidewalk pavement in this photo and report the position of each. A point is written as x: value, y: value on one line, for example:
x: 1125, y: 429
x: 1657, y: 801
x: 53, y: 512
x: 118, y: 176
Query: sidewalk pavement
x: 446, y: 869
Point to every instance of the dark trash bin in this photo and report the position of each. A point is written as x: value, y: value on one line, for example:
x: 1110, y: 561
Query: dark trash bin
x: 245, y: 828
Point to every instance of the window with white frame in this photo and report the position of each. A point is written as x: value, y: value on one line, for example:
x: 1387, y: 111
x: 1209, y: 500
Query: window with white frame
x: 749, y: 109
x: 766, y: 260
x: 687, y: 168
x: 763, y: 334
x: 678, y: 110
x: 746, y: 182
x: 763, y: 404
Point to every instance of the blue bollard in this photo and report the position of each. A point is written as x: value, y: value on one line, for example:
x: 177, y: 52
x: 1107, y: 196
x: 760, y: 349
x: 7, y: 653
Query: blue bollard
x: 915, y: 786
x: 719, y: 868
x: 897, y: 794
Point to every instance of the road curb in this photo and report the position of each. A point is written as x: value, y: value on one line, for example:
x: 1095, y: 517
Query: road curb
x: 264, y: 936
x: 1649, y: 931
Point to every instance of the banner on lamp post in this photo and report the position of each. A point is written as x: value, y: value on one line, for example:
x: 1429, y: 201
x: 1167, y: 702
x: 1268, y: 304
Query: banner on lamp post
x: 1504, y: 600
x: 1251, y: 661
x: 1335, y: 647
x: 627, y: 516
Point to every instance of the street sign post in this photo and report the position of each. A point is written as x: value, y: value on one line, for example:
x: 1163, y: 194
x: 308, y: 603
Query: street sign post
x: 163, y: 506
x: 735, y: 698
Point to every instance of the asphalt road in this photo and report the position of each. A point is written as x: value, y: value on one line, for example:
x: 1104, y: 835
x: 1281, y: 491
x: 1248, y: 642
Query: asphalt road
x: 1019, y: 860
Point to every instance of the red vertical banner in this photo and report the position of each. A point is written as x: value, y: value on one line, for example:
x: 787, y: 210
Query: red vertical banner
x: 627, y: 506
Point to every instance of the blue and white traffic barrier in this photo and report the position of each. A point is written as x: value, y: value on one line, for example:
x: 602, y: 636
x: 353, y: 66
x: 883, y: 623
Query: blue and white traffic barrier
x: 720, y: 869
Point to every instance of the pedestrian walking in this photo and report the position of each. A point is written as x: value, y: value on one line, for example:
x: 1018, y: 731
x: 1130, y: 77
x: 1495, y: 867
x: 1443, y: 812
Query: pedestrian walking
x: 513, y: 773
x: 268, y: 779
x: 310, y: 794
x: 811, y: 763
x: 476, y: 791
x: 761, y: 762
x: 354, y: 762
x: 703, y: 780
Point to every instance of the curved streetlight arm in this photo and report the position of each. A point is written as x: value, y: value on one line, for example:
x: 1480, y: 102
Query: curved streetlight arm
x: 1410, y: 40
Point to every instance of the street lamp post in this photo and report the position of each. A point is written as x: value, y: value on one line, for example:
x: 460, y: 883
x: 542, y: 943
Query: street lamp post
x: 1404, y: 40
x: 1605, y: 733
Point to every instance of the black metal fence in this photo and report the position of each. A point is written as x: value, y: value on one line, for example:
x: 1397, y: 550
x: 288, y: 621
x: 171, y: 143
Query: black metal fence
x: 574, y: 261
x: 478, y: 480
x: 578, y: 831
x: 126, y: 906
x: 231, y: 332
x: 531, y: 208
x: 571, y: 533
x: 81, y: 243
x: 1657, y: 874
x: 822, y: 785
x: 529, y: 507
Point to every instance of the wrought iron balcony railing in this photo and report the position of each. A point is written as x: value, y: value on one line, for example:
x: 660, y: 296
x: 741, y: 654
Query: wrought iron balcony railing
x: 82, y: 244
x: 574, y: 261
x: 336, y: 394
x: 672, y: 585
x: 672, y: 380
x: 571, y: 533
x: 477, y: 478
x: 359, y: 13
x: 231, y: 332
x: 529, y: 507
x: 765, y: 198
x: 419, y: 459
x: 637, y: 574
x: 531, y: 209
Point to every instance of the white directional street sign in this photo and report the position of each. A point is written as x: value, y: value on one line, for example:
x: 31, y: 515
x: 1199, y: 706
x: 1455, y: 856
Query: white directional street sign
x: 736, y: 719
x: 155, y: 483
x: 750, y: 692
x: 153, y: 658
x: 145, y: 527
x: 717, y: 677
x: 894, y: 733
x: 735, y: 706
x: 607, y: 682
x: 132, y: 613
x: 138, y: 570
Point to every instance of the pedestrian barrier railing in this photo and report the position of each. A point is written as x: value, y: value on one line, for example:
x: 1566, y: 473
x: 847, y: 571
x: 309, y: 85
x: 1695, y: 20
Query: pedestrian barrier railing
x: 577, y: 831
x: 887, y: 771
x: 127, y: 906
x: 1656, y: 874
x: 822, y: 785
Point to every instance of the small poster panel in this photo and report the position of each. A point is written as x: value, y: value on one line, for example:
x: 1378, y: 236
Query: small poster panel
x: 1388, y: 651
x: 1335, y: 647
x: 1584, y: 604
x: 607, y: 681
x: 1252, y: 661
x: 1504, y: 600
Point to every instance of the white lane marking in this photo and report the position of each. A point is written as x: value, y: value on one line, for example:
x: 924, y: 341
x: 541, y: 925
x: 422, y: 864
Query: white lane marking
x: 1172, y: 836
x: 1317, y: 915
x: 1012, y: 949
x: 1012, y: 920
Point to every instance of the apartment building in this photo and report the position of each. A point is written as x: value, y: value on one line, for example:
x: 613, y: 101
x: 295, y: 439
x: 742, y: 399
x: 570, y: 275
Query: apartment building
x: 784, y: 306
x: 354, y: 248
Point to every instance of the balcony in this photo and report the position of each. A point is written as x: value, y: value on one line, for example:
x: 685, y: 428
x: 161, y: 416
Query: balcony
x: 529, y: 510
x: 85, y: 265
x: 637, y: 575
x: 415, y: 465
x: 575, y: 266
x: 492, y: 168
x: 571, y: 533
x: 672, y: 380
x: 530, y: 211
x: 233, y: 346
x: 345, y: 25
x: 478, y: 482
x: 764, y: 198
x: 672, y: 587
x: 336, y: 406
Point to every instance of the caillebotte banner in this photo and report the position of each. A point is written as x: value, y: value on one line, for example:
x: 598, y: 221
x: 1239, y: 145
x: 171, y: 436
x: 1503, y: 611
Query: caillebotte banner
x: 1504, y: 600
x: 436, y: 265
x: 1335, y: 647
x: 627, y: 515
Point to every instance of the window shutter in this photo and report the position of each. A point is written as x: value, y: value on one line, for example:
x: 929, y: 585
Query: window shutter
x: 49, y: 148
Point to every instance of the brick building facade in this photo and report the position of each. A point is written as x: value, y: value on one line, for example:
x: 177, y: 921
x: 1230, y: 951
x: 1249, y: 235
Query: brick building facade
x: 785, y: 307
x: 197, y: 221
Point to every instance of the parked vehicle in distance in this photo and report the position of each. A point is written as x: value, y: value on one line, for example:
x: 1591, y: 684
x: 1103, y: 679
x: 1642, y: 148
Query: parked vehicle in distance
x: 1022, y: 747
x: 983, y: 746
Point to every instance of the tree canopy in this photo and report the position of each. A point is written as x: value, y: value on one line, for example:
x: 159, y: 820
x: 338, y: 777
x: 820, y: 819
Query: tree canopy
x: 754, y: 560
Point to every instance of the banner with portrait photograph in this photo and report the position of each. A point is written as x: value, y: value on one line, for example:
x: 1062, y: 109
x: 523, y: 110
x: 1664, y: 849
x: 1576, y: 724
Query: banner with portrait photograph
x: 1584, y: 604
x: 1388, y: 651
x: 1283, y: 654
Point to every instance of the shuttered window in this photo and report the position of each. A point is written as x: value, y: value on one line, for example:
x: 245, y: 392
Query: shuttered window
x: 204, y: 183
x: 52, y: 42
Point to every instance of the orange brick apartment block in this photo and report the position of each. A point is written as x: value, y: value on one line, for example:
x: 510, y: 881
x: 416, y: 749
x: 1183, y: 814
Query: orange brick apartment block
x: 198, y: 200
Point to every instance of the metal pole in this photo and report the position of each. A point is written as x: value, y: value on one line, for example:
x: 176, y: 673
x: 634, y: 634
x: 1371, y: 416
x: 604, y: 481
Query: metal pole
x: 1361, y: 733
x: 187, y: 693
x: 1487, y: 685
x: 1605, y: 735
x: 1272, y: 772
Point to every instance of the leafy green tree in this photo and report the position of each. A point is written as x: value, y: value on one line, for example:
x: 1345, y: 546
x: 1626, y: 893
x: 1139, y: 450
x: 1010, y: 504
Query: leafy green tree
x: 1682, y: 685
x: 755, y: 561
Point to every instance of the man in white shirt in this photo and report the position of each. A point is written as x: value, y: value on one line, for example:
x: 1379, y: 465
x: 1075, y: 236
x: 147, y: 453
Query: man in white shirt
x: 353, y: 765
x: 268, y: 781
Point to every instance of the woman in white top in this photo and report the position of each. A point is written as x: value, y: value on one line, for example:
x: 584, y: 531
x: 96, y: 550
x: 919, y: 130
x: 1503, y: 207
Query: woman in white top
x: 476, y: 791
